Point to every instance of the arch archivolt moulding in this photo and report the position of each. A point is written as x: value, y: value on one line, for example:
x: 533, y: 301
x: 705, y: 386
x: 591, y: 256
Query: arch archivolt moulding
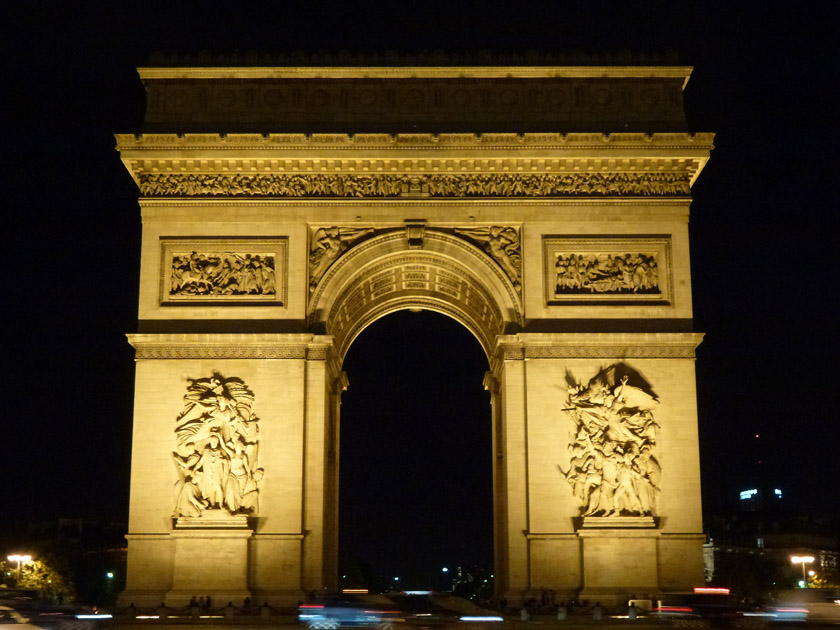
x: 383, y: 274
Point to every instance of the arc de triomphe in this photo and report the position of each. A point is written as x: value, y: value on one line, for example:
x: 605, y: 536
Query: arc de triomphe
x: 286, y: 208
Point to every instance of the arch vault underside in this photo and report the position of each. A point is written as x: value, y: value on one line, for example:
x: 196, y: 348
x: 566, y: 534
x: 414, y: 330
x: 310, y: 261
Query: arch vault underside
x: 272, y: 237
x: 442, y: 273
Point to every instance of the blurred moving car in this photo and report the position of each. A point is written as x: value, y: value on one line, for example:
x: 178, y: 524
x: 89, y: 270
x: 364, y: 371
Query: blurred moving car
x: 9, y: 616
x: 28, y: 603
x: 813, y: 605
x: 426, y: 608
x: 416, y: 608
x: 330, y: 612
x: 711, y: 607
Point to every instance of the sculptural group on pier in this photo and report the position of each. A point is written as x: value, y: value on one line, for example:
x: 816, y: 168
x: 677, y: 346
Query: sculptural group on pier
x: 613, y: 467
x: 217, y: 438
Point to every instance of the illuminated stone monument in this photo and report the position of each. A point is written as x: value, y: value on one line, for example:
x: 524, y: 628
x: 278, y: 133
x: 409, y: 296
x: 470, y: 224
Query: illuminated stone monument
x: 286, y: 208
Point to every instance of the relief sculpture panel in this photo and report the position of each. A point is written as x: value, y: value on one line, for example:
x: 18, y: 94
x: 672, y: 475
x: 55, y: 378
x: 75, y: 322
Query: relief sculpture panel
x: 232, y: 271
x: 617, y: 269
x: 613, y: 468
x: 217, y: 449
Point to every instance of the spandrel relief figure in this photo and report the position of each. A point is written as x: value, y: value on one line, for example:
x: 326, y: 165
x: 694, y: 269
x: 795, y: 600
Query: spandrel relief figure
x: 328, y: 244
x: 222, y: 274
x: 502, y: 243
x: 612, y: 467
x: 217, y: 445
x: 606, y: 273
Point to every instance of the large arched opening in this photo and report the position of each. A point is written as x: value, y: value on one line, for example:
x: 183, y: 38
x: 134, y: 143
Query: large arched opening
x: 415, y: 400
x: 406, y: 316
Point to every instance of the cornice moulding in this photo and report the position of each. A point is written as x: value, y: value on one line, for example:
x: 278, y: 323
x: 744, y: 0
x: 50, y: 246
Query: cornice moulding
x: 384, y: 155
x: 379, y: 142
x: 634, y: 164
x: 167, y: 204
x: 231, y: 346
x: 597, y: 345
x: 414, y: 72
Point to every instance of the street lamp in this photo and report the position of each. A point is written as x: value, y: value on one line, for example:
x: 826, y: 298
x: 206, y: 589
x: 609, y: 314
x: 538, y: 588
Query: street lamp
x: 803, y: 560
x: 20, y: 560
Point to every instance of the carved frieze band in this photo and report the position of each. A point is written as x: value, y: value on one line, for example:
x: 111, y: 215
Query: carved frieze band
x: 665, y: 346
x: 230, y: 346
x: 230, y: 271
x: 512, y: 353
x: 620, y: 269
x: 317, y: 353
x: 221, y: 351
x: 439, y: 185
x: 598, y: 352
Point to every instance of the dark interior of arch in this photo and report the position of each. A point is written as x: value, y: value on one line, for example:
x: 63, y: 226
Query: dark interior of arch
x: 415, y: 485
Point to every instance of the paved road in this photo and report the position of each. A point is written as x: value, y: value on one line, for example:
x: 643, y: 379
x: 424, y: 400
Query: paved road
x: 548, y: 623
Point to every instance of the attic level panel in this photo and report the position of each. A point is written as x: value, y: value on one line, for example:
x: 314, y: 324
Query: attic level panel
x: 416, y: 104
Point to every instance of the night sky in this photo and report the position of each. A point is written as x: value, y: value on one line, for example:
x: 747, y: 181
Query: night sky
x: 763, y: 236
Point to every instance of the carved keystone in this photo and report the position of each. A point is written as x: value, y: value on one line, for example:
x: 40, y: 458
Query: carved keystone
x: 414, y: 230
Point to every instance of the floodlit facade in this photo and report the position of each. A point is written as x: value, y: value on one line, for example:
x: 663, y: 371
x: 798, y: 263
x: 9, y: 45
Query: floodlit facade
x: 284, y: 209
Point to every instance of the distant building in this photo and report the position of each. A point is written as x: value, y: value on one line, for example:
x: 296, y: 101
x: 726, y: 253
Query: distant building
x: 750, y: 548
x: 757, y: 499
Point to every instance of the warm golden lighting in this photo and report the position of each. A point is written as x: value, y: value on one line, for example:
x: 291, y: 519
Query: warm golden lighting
x: 803, y: 560
x: 20, y: 560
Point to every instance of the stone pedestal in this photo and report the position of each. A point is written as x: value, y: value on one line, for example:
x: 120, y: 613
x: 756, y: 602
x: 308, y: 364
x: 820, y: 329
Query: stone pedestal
x: 276, y: 565
x: 619, y: 559
x: 211, y: 550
